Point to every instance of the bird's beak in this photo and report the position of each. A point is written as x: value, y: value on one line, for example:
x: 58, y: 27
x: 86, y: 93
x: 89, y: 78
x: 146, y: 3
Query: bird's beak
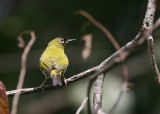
x: 70, y: 40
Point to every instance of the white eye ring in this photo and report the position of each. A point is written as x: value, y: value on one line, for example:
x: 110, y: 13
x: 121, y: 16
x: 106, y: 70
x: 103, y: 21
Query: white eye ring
x: 61, y: 41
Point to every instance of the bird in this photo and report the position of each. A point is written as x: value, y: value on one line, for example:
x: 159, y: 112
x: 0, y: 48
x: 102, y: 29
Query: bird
x: 54, y: 62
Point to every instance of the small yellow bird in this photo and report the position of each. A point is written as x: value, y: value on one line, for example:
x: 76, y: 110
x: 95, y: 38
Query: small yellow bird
x: 53, y: 61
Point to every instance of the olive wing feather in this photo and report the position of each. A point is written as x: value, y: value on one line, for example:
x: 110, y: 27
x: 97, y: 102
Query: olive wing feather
x: 57, y: 61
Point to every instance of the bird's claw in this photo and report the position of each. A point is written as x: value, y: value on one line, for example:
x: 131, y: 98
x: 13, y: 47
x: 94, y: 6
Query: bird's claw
x: 65, y: 81
x: 42, y: 87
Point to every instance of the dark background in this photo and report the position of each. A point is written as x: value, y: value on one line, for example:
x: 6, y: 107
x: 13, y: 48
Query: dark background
x: 53, y: 18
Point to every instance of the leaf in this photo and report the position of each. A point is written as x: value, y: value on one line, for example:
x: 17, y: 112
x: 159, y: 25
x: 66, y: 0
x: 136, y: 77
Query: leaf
x: 3, y: 100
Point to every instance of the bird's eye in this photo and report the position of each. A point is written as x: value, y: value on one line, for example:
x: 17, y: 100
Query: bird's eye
x: 61, y: 41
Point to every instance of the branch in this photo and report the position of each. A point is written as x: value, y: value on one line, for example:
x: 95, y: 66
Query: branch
x: 123, y: 89
x: 98, y: 92
x: 156, y: 24
x: 23, y: 67
x: 82, y: 105
x: 51, y: 87
x: 100, y: 26
x: 153, y: 60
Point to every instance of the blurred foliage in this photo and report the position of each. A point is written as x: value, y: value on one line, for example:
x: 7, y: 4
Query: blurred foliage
x: 52, y: 18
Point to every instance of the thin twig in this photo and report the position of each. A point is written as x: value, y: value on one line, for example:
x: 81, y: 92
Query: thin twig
x: 23, y: 69
x: 100, y: 26
x: 82, y: 105
x: 123, y: 89
x: 151, y: 52
x: 153, y: 60
x: 156, y: 24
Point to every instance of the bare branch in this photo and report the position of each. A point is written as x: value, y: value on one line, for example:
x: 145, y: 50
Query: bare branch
x: 98, y: 92
x: 23, y: 68
x: 51, y: 87
x: 82, y: 105
x: 153, y: 60
x: 156, y: 24
x: 123, y: 89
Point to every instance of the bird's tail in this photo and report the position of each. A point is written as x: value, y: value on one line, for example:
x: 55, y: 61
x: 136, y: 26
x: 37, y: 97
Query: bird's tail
x: 56, y: 77
x: 57, y: 80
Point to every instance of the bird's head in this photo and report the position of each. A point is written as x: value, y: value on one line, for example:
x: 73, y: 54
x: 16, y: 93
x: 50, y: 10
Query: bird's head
x: 60, y: 42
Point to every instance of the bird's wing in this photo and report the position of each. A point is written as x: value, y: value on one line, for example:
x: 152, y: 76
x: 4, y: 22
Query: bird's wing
x: 60, y: 64
x: 54, y: 59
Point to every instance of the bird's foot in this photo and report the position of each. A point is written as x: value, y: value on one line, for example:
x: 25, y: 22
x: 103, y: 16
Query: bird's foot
x: 42, y: 87
x: 65, y: 81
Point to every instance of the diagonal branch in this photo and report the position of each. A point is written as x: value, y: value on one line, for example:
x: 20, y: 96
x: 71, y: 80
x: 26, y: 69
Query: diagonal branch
x: 101, y: 27
x: 123, y: 89
x: 82, y: 105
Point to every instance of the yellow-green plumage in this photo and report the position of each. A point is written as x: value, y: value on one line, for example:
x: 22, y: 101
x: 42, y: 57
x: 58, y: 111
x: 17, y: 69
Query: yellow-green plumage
x: 53, y: 61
